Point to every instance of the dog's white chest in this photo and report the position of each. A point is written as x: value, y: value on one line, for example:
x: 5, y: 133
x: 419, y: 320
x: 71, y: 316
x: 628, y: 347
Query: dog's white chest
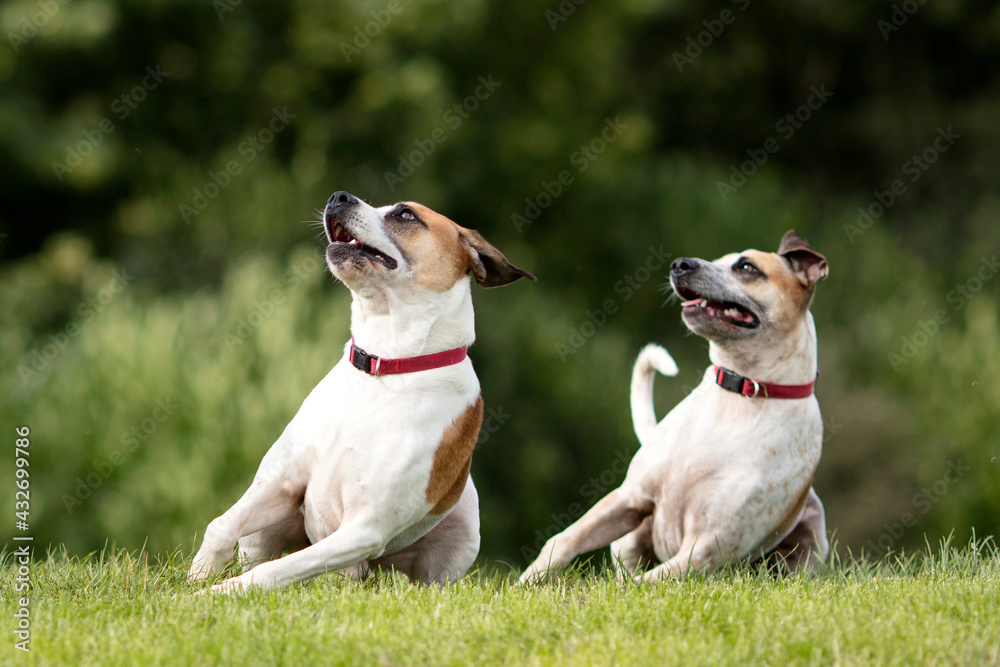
x: 734, y: 458
x: 367, y: 445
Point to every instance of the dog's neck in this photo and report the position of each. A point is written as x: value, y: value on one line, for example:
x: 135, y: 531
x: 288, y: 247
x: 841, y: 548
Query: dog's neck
x: 790, y: 359
x: 396, y: 323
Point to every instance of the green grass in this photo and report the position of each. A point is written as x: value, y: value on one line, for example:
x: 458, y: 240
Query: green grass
x: 940, y: 607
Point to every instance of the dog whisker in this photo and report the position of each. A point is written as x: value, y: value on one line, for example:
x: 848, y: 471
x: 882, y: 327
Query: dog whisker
x: 671, y: 294
x: 667, y: 287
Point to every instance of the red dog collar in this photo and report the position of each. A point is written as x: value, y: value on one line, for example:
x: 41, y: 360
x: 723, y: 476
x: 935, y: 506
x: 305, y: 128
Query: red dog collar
x: 734, y: 382
x: 373, y: 365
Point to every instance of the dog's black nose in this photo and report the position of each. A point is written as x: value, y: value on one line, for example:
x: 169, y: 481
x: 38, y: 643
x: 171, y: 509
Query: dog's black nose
x: 342, y: 198
x: 683, y: 265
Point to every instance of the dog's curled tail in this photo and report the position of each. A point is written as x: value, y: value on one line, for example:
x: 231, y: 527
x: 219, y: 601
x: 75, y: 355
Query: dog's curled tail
x: 653, y: 358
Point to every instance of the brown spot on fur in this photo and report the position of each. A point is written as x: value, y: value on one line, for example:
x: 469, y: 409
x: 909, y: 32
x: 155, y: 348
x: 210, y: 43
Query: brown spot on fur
x: 791, y: 518
x: 453, y: 459
x: 796, y: 296
x: 439, y: 258
x: 442, y: 251
x: 778, y: 271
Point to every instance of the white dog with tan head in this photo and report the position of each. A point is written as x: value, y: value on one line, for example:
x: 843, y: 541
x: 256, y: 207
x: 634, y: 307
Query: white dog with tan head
x: 728, y: 472
x: 373, y: 470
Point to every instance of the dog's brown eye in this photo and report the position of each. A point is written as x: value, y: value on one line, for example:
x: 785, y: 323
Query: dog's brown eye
x: 747, y: 267
x: 407, y: 214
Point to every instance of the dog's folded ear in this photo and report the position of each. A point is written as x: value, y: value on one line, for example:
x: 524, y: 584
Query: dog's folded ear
x: 809, y: 266
x: 488, y: 264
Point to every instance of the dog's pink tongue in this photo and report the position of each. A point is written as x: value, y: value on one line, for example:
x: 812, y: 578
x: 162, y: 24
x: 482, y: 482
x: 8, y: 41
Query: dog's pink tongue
x: 692, y: 302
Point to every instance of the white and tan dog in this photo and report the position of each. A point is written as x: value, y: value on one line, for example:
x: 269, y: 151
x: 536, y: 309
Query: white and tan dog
x: 728, y: 472
x: 373, y: 470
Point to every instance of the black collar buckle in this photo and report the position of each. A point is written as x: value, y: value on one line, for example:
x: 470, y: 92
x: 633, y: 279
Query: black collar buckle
x: 360, y: 360
x: 729, y: 380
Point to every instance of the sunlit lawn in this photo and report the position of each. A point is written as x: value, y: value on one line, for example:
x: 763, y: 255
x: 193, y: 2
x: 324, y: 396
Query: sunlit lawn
x: 114, y: 608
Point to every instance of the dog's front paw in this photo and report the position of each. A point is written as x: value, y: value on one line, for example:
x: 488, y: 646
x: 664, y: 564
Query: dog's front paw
x: 206, y: 565
x: 239, y: 584
x: 547, y: 562
x: 535, y: 574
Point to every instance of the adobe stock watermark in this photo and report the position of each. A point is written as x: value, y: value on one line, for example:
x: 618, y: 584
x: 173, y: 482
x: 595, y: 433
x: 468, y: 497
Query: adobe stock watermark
x: 914, y: 168
x: 263, y: 310
x: 453, y: 116
x: 625, y: 288
x: 958, y: 298
x: 592, y: 490
x: 363, y: 35
x: 901, y: 13
x: 21, y: 557
x: 580, y: 160
x: 562, y: 12
x: 922, y: 502
x: 493, y: 421
x: 714, y: 28
x: 31, y: 25
x: 223, y: 7
x: 248, y: 150
x: 131, y: 440
x: 39, y: 360
x: 786, y: 126
x: 122, y: 107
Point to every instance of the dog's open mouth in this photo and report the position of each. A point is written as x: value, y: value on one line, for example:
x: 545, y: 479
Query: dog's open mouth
x: 727, y: 311
x: 337, y: 233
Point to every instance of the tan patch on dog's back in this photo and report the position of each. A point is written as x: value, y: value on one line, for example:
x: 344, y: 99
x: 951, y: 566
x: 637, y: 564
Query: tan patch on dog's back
x: 440, y: 259
x: 453, y: 459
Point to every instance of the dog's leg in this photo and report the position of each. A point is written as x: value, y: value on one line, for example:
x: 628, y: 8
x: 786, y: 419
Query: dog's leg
x: 634, y: 552
x: 806, y: 547
x: 617, y: 513
x: 358, y: 572
x: 289, y: 534
x: 268, y: 501
x: 445, y: 553
x: 355, y: 540
x: 697, y: 554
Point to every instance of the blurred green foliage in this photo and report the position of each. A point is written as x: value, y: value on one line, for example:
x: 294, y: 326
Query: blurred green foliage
x: 137, y: 257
